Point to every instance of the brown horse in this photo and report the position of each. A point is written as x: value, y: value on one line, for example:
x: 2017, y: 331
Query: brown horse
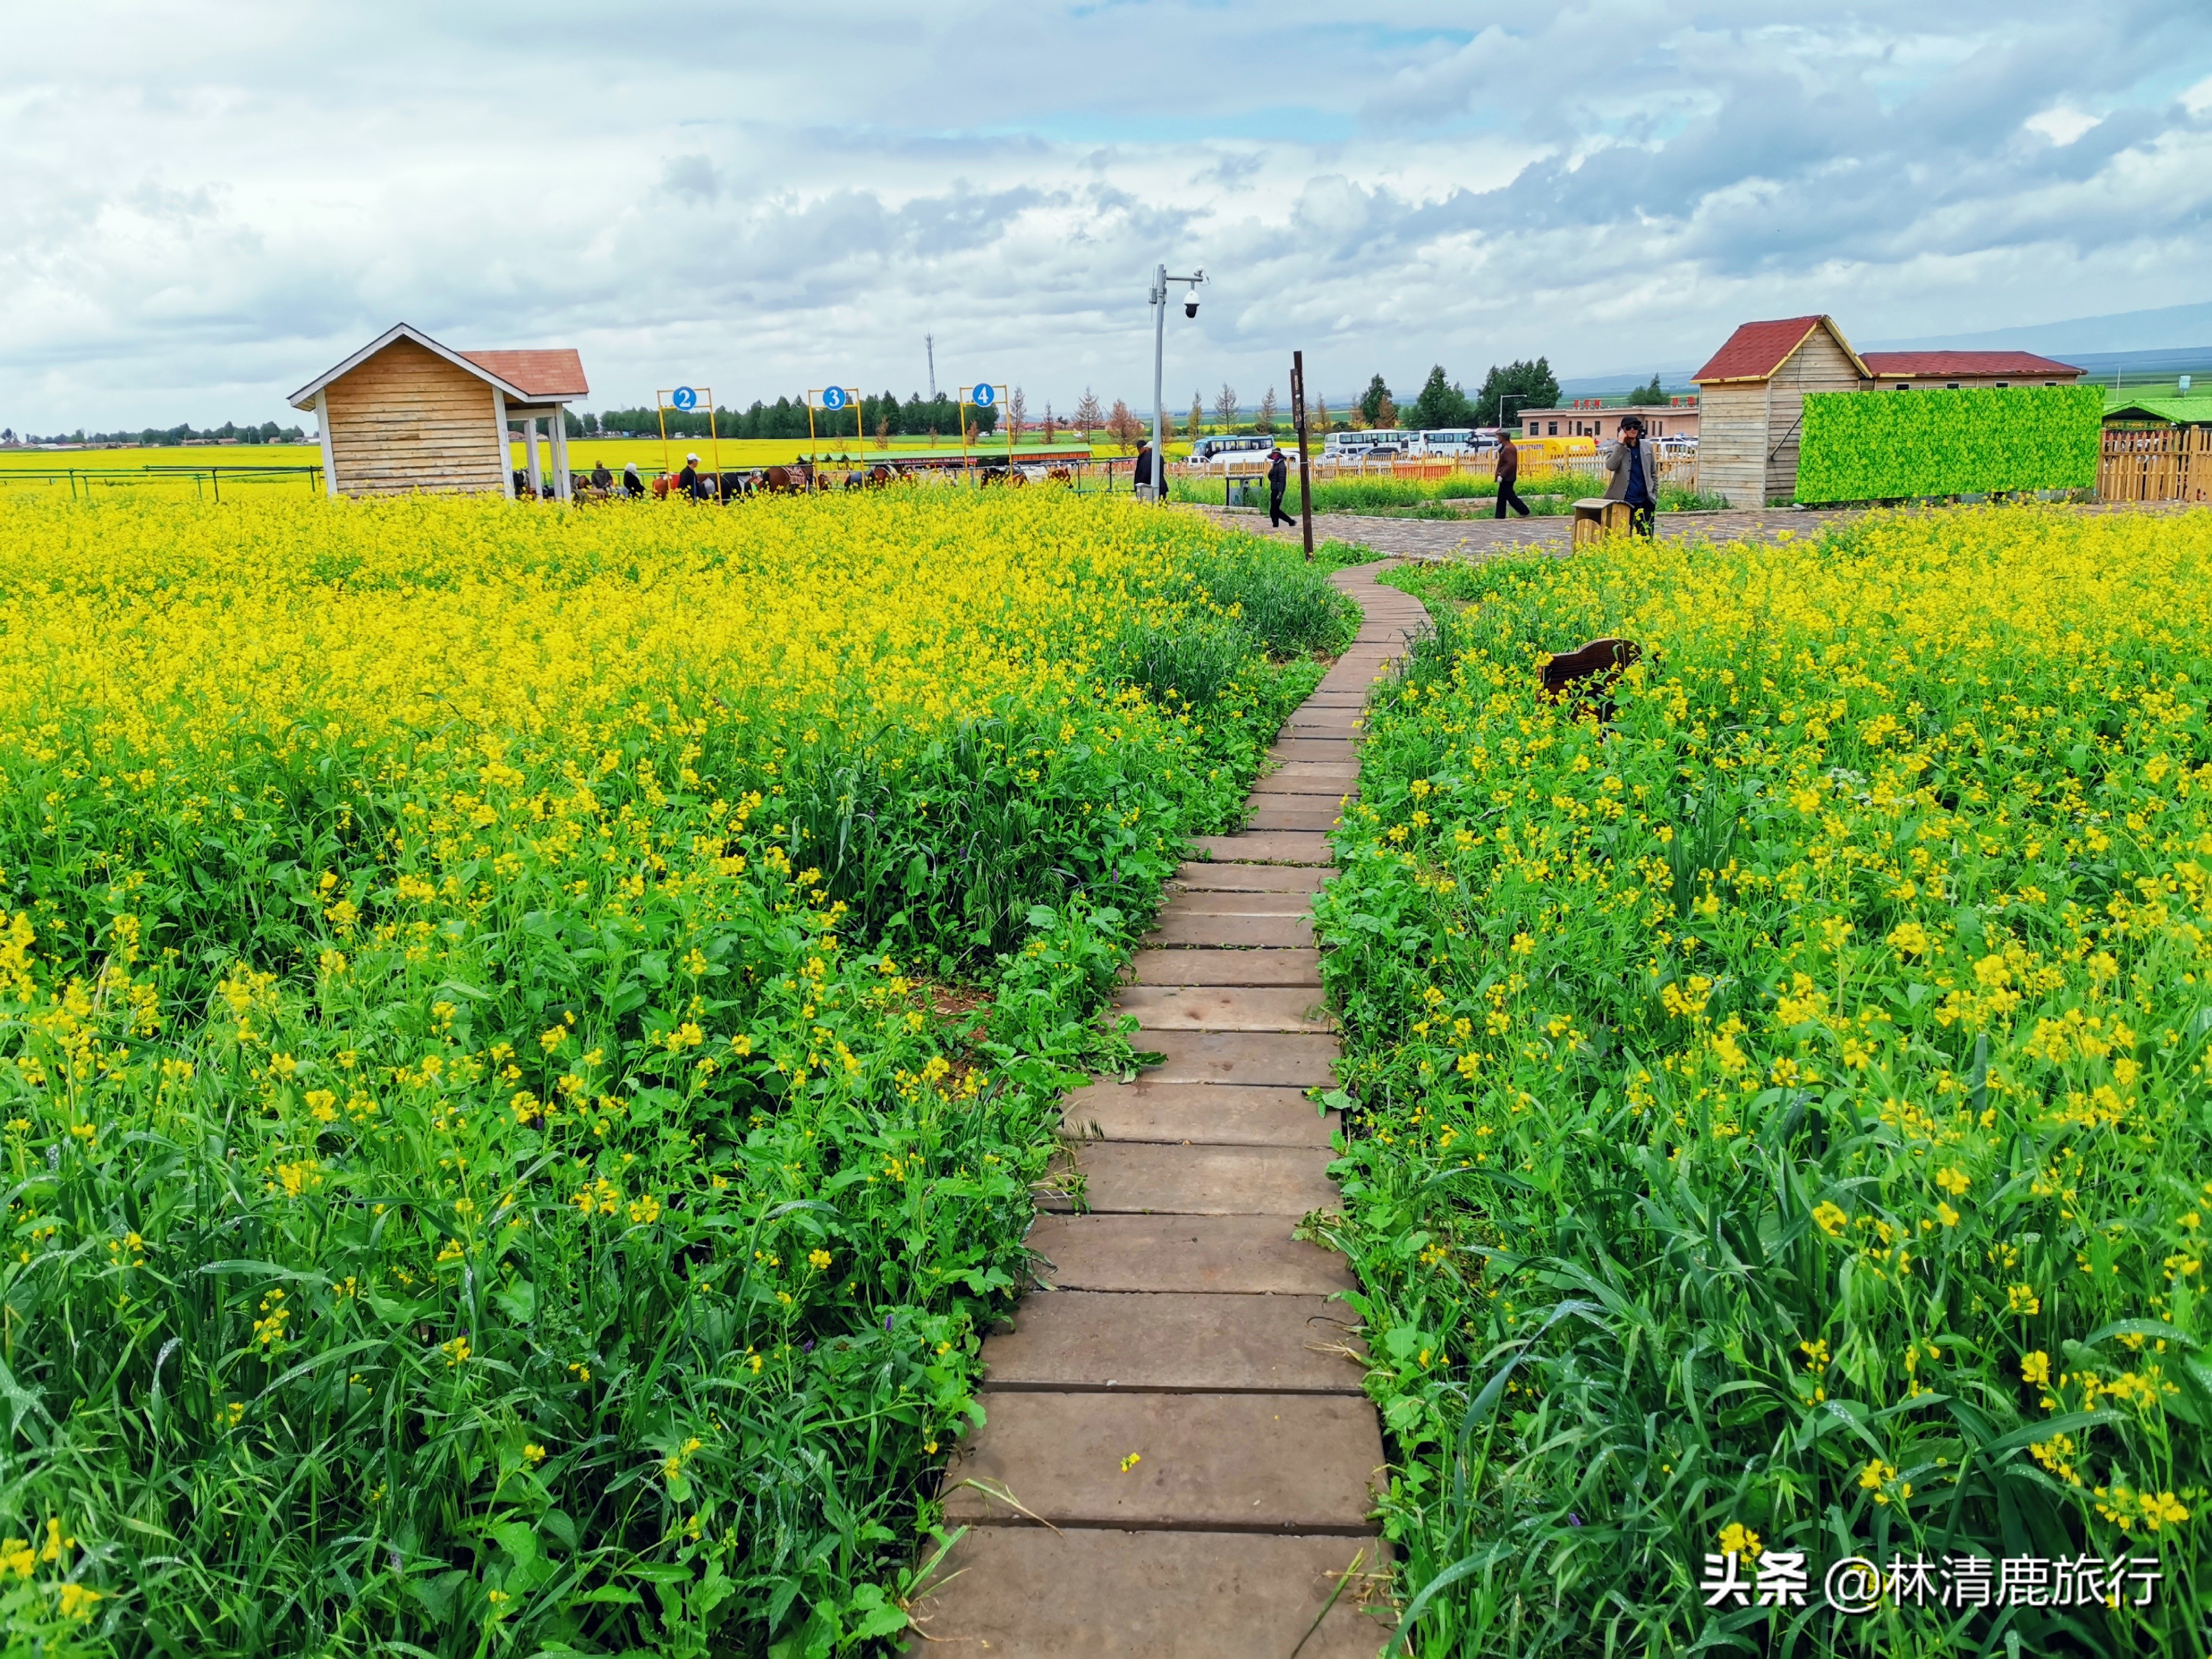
x: 794, y: 480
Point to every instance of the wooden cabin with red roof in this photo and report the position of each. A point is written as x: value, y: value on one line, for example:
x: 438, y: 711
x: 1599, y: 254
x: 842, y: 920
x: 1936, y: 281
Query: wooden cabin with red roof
x: 1751, y: 403
x: 406, y: 413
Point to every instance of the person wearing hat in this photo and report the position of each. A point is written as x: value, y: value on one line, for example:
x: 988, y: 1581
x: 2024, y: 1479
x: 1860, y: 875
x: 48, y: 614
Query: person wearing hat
x: 1632, y: 474
x: 688, y: 479
x: 631, y: 484
x: 1279, y: 480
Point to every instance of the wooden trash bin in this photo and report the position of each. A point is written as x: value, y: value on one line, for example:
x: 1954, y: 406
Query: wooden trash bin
x: 1596, y: 518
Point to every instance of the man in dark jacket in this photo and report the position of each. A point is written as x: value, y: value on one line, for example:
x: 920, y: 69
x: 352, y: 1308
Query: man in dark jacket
x: 688, y: 479
x: 1141, y: 475
x: 1509, y: 474
x: 1279, y: 480
x: 602, y: 480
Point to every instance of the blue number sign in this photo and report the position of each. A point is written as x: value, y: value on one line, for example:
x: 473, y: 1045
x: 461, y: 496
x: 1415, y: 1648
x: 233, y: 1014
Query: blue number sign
x: 984, y: 396
x: 685, y: 398
x: 834, y: 397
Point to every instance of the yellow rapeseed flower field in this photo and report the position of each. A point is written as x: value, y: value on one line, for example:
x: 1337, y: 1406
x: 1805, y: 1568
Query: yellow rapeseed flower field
x: 1784, y: 1079
x: 491, y: 1159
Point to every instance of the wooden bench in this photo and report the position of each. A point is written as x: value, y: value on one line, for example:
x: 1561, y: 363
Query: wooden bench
x: 1589, y: 671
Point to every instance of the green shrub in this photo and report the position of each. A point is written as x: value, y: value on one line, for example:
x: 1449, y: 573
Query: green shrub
x: 1859, y: 447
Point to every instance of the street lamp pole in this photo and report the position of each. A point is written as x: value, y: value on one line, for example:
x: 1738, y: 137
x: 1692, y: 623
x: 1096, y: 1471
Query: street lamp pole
x: 1159, y: 301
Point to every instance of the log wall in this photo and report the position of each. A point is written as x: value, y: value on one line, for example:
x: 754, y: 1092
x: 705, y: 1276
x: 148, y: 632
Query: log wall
x: 408, y: 420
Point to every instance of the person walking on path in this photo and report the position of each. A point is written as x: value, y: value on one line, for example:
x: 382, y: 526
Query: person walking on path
x: 1509, y: 474
x: 1142, y: 474
x: 1632, y: 474
x: 1279, y: 480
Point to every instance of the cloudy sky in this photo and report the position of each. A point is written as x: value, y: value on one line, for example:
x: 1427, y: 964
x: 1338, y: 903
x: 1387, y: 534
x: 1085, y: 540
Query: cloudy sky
x: 208, y: 202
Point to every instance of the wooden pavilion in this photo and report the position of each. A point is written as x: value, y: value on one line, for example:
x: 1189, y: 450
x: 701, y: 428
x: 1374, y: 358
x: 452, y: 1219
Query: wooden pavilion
x: 406, y: 413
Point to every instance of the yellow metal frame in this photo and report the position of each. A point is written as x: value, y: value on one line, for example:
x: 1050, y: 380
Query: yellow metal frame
x: 860, y: 434
x: 999, y: 390
x: 662, y: 408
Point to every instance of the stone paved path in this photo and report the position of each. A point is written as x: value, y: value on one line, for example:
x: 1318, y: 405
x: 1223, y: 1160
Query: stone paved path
x: 1182, y: 1327
x: 1475, y: 538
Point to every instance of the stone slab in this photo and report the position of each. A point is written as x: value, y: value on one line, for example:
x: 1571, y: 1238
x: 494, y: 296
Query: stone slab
x: 1233, y: 1462
x: 1089, y: 1340
x: 1136, y: 1177
x: 1225, y: 1008
x: 1231, y: 901
x: 1266, y: 847
x: 1203, y: 877
x: 1197, y: 1114
x: 1331, y: 790
x: 1339, y: 749
x: 1197, y: 965
x: 1233, y: 1254
x: 1281, y: 1059
x: 1180, y: 927
x: 1025, y: 1593
x: 1294, y: 812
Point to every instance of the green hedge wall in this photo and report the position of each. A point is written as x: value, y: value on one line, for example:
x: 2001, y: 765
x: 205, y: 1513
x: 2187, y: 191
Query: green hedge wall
x: 1885, y: 446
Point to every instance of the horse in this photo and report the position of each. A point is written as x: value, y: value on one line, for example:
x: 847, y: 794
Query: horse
x: 793, y: 480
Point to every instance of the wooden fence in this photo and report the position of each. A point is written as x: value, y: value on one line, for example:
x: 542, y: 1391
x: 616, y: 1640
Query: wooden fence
x: 2156, y: 463
x: 1676, y: 469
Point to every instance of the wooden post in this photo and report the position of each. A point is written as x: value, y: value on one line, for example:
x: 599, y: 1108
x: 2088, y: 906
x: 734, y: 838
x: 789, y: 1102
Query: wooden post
x: 1298, y: 421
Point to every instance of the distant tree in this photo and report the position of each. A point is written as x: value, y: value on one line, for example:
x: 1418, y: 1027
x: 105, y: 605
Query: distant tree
x: 1086, y: 418
x: 1197, y: 413
x: 1646, y: 396
x: 1123, y: 425
x: 1439, y: 403
x: 1017, y: 414
x: 1265, y: 423
x: 1531, y: 385
x: 883, y: 432
x: 1225, y: 406
x: 1372, y: 400
x: 1317, y: 417
x: 1051, y: 426
x: 933, y: 437
x: 1356, y: 418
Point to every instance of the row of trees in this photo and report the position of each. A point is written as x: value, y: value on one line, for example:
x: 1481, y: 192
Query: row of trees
x: 883, y: 417
x: 155, y: 437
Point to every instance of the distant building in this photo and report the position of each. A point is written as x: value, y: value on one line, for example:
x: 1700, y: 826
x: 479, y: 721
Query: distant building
x: 1958, y: 371
x: 406, y: 413
x: 1594, y: 417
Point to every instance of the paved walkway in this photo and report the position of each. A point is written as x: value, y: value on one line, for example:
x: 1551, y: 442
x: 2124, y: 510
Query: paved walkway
x: 1475, y: 538
x: 1178, y: 1457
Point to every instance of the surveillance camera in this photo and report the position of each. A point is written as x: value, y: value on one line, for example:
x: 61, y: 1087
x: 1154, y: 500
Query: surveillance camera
x: 1190, y: 304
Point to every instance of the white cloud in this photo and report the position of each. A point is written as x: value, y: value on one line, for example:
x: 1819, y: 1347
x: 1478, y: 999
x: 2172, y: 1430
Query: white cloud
x: 2061, y: 125
x: 204, y: 212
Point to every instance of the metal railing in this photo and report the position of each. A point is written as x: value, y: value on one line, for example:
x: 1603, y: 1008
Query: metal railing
x: 82, y: 480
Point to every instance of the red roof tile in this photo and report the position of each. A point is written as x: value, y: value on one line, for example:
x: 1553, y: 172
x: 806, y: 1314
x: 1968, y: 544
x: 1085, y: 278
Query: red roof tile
x: 541, y: 373
x: 1755, y: 351
x: 1951, y: 365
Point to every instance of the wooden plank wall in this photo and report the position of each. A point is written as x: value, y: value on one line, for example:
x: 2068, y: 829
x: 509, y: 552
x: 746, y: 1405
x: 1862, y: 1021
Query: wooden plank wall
x: 407, y: 420
x: 2160, y: 463
x: 1819, y: 365
x: 1732, y: 443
